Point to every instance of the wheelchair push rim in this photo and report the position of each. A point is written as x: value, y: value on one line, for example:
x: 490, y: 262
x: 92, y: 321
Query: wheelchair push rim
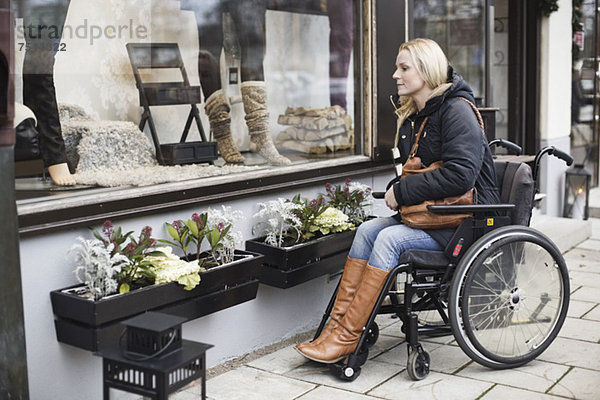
x: 509, y: 297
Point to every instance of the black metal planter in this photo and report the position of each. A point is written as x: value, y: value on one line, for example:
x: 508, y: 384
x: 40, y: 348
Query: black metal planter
x: 285, y: 267
x: 94, y: 325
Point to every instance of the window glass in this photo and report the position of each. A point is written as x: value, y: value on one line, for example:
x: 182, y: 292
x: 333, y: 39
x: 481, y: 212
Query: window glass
x: 459, y: 27
x: 147, y: 92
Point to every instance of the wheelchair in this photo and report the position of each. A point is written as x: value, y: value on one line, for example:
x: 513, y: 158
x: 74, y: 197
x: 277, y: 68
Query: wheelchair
x: 500, y: 287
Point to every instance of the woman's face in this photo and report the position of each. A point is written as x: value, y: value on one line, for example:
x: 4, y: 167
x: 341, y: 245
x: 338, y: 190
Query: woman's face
x: 407, y: 77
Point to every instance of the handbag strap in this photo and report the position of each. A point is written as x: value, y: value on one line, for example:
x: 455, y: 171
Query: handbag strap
x: 415, y: 146
x: 477, y: 113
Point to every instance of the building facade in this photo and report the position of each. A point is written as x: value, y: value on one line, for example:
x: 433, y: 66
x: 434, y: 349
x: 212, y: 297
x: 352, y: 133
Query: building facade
x: 322, y: 56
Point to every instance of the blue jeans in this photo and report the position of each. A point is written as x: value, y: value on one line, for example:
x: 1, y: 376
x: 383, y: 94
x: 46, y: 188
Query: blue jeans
x: 381, y: 241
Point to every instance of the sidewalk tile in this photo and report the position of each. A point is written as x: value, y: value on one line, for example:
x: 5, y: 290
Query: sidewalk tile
x: 385, y: 320
x: 574, y: 353
x: 504, y: 392
x: 385, y: 343
x: 372, y: 374
x: 581, y: 384
x: 583, y: 255
x: 590, y: 244
x: 392, y: 330
x: 448, y: 359
x: 435, y: 386
x: 579, y: 308
x: 279, y: 362
x: 587, y: 279
x: 399, y: 354
x: 594, y: 314
x: 581, y: 329
x: 537, y: 375
x: 323, y: 392
x: 586, y: 294
x: 246, y: 383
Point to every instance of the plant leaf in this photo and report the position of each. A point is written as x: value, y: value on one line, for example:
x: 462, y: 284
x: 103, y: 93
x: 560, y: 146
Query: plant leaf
x: 124, y: 288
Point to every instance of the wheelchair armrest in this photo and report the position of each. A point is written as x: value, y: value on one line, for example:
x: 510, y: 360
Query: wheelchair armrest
x: 475, y: 208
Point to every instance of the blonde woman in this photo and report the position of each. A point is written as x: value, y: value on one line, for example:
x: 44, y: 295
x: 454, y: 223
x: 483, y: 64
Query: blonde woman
x: 429, y: 97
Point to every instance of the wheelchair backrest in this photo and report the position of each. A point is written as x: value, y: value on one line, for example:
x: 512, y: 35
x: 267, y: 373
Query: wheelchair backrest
x: 516, y: 186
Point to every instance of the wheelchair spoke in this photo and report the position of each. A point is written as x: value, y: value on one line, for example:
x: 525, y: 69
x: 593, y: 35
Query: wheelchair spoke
x: 513, y: 299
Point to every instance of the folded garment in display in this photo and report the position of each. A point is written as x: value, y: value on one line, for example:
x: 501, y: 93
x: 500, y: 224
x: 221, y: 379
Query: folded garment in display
x: 118, y: 153
x: 315, y: 130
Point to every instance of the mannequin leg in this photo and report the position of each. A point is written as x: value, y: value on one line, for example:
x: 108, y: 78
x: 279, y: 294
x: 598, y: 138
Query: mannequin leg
x: 39, y: 92
x: 217, y: 109
x: 254, y: 96
x: 341, y: 41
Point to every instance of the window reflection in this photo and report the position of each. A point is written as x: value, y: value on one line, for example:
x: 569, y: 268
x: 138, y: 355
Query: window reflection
x: 459, y: 27
x: 271, y: 90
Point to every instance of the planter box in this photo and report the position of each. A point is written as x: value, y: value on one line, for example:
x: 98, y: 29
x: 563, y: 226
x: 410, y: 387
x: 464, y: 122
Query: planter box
x: 285, y: 267
x: 91, y: 325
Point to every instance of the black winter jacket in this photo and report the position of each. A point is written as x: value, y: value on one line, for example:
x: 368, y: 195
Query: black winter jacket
x: 453, y: 135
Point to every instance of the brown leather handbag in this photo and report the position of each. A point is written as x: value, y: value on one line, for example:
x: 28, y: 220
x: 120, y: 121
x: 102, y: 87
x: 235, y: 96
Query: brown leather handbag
x: 418, y: 216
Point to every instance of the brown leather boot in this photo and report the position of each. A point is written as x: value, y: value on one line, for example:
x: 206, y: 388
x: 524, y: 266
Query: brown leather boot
x: 344, y: 338
x: 351, y: 277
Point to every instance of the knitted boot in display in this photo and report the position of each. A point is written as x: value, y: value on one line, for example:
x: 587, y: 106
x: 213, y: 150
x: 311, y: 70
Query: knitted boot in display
x: 217, y: 110
x: 254, y: 96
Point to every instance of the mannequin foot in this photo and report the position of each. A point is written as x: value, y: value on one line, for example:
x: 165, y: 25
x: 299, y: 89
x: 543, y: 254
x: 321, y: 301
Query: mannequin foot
x: 61, y: 175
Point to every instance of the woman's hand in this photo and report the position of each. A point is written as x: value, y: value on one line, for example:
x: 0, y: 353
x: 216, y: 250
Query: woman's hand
x: 390, y: 199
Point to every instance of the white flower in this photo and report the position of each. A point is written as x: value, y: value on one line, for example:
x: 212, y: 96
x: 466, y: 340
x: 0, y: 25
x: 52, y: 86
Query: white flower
x: 332, y: 220
x: 277, y: 218
x: 170, y: 268
x: 96, y: 268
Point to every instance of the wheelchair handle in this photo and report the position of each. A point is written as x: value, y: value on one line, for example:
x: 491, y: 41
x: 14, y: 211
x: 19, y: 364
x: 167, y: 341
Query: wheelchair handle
x: 562, y: 155
x: 378, y: 195
x: 510, y: 146
x: 553, y: 151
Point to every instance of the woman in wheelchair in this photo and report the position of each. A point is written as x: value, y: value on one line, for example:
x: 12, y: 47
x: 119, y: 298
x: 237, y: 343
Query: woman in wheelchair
x: 431, y: 99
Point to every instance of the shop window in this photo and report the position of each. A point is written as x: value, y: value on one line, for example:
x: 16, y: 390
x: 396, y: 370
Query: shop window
x: 281, y: 85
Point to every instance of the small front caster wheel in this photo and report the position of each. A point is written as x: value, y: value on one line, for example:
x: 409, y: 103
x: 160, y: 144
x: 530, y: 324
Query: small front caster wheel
x: 372, y: 335
x: 417, y: 365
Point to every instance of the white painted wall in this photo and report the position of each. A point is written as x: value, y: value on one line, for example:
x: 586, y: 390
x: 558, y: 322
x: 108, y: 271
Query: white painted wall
x: 555, y: 101
x: 59, y: 371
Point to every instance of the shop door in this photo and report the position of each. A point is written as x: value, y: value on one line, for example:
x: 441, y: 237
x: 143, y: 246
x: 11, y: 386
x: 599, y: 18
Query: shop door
x: 585, y: 101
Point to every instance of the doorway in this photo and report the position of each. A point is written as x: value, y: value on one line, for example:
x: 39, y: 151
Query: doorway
x: 585, y: 99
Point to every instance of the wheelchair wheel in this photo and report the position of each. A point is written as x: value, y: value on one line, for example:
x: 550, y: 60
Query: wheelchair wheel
x: 372, y: 335
x: 417, y: 365
x: 509, y: 297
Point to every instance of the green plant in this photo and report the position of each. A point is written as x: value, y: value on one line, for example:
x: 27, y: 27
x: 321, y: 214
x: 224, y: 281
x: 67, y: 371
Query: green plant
x: 278, y: 222
x: 97, y: 266
x: 351, y: 198
x: 287, y: 222
x: 308, y: 211
x: 138, y: 272
x: 212, y: 226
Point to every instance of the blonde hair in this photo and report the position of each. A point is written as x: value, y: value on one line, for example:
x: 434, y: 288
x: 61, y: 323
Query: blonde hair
x: 431, y: 64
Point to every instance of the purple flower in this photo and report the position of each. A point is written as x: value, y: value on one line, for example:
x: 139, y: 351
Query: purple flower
x: 221, y: 226
x: 108, y: 228
x: 198, y: 220
x: 130, y: 248
x: 146, y: 233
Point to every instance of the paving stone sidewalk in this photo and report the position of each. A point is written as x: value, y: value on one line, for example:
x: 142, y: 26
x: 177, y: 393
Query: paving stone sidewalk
x: 569, y: 368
